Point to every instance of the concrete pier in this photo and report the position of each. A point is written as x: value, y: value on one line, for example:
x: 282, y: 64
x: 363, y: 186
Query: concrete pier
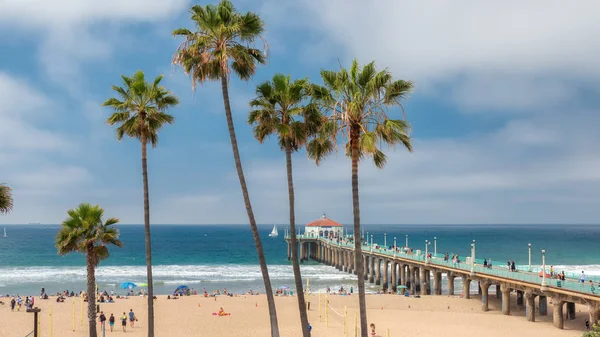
x: 530, y: 306
x: 466, y: 287
x: 543, y: 304
x: 424, y: 277
x: 505, y: 288
x: 484, y: 286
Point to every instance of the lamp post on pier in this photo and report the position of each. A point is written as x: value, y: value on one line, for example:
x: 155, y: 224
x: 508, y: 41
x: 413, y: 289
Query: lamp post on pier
x: 434, y: 245
x: 529, y: 269
x: 473, y: 258
x: 544, y: 285
x: 426, y: 251
x: 406, y: 241
x: 371, y: 243
x: 395, y: 246
x: 384, y: 240
x: 367, y: 239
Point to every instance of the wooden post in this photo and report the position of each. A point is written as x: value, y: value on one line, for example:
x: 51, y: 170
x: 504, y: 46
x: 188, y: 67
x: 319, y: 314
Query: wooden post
x: 73, y: 301
x: 355, y: 325
x: 387, y: 333
x: 36, y: 322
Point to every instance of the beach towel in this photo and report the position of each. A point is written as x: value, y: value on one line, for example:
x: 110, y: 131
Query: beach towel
x: 223, y: 314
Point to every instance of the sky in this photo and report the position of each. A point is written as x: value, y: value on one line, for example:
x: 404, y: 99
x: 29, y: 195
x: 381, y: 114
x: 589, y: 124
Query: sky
x: 504, y: 113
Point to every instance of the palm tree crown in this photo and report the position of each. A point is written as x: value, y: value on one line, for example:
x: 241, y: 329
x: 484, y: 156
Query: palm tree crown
x: 357, y: 102
x: 6, y: 200
x: 279, y: 109
x: 141, y: 104
x: 84, y: 229
x: 222, y: 34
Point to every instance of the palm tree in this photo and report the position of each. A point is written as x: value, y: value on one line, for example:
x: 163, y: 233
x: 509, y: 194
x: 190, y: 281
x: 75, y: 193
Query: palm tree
x: 357, y: 103
x: 223, y: 42
x: 6, y: 199
x: 279, y: 109
x: 140, y: 111
x: 85, y: 232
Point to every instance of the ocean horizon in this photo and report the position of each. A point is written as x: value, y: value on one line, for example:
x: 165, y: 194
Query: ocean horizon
x: 224, y: 256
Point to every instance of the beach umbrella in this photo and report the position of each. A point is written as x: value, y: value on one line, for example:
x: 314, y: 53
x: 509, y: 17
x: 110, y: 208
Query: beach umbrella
x: 128, y: 285
x: 142, y: 284
x: 181, y: 288
x: 283, y: 287
x: 402, y: 287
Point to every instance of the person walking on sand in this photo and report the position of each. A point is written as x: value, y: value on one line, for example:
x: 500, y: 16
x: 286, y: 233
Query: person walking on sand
x: 372, y: 328
x: 111, y: 322
x: 132, y: 318
x: 102, y: 320
x: 124, y: 322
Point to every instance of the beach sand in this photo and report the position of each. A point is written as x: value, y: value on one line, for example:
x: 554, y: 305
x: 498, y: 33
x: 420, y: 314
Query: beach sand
x: 192, y: 316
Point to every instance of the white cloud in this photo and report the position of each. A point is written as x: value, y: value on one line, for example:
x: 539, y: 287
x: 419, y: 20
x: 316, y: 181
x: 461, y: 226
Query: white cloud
x: 78, y: 31
x: 480, y: 54
x: 34, y: 154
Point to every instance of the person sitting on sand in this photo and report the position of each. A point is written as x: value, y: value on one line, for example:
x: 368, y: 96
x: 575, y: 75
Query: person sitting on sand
x: 222, y: 312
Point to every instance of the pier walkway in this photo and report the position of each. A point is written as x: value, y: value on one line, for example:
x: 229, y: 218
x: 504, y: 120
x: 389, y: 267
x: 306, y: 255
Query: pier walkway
x: 420, y: 273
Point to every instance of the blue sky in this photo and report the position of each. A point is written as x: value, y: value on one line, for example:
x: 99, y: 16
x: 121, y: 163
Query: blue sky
x: 504, y: 113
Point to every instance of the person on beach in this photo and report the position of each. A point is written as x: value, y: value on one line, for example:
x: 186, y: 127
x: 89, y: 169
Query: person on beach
x: 12, y: 304
x: 111, y: 322
x: 582, y: 278
x: 551, y: 271
x: 372, y: 327
x: 132, y: 317
x: 102, y: 320
x: 124, y: 321
x: 592, y: 289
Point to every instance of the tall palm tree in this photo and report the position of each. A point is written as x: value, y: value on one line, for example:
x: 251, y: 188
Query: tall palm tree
x: 357, y: 102
x: 6, y: 199
x: 223, y: 42
x: 280, y: 109
x: 85, y: 232
x: 140, y: 112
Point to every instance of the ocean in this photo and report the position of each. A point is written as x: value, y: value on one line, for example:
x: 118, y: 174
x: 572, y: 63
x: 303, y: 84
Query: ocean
x: 224, y: 256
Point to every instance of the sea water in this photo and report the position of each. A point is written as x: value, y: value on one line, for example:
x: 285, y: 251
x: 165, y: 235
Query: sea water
x: 224, y: 256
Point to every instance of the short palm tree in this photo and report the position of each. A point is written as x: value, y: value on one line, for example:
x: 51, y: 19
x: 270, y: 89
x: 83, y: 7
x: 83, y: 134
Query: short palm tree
x: 85, y: 232
x: 6, y: 199
x: 281, y: 109
x: 140, y: 111
x: 357, y: 102
x: 223, y: 42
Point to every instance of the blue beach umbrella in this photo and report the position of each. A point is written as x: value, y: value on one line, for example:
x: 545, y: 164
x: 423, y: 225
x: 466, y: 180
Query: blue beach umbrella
x: 128, y: 285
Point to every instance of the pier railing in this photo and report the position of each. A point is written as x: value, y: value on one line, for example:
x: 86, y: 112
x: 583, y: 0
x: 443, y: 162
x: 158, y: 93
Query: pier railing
x: 572, y: 283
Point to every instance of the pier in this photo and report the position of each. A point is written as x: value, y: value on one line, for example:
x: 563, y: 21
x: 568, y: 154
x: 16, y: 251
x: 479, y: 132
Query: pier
x: 393, y: 268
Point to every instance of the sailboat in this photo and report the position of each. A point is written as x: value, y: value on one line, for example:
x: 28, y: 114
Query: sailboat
x: 5, y: 232
x: 274, y: 232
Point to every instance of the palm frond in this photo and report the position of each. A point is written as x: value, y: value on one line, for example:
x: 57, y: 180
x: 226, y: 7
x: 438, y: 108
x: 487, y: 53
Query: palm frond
x: 6, y: 199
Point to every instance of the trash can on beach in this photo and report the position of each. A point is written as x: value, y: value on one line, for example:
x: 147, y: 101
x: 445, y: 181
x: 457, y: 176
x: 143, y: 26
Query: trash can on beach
x: 308, y: 306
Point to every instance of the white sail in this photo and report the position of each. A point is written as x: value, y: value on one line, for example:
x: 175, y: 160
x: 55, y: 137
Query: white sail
x: 5, y: 232
x: 274, y: 231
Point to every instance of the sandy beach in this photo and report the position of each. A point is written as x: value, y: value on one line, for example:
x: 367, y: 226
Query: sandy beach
x: 191, y: 316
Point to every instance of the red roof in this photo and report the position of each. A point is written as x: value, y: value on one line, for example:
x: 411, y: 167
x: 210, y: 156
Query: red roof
x: 324, y: 222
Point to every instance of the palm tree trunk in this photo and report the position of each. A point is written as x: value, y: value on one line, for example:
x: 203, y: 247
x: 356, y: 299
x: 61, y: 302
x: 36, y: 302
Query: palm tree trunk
x: 362, y: 304
x: 147, y: 237
x: 91, y: 290
x: 294, y: 243
x: 259, y: 249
